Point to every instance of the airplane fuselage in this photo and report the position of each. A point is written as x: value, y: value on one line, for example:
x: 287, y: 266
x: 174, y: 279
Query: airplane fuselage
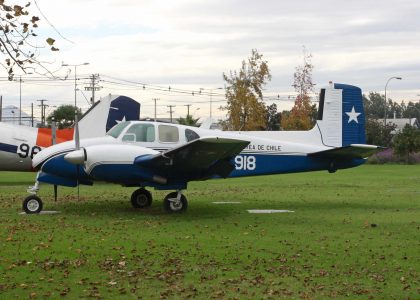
x: 115, y: 154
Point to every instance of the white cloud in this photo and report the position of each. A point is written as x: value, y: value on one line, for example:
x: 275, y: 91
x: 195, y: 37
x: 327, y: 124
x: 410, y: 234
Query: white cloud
x: 191, y: 43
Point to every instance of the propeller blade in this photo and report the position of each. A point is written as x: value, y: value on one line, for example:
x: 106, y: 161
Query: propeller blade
x: 76, y: 131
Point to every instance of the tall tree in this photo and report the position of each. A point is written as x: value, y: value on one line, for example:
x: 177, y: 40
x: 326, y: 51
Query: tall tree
x: 273, y: 117
x: 17, y: 30
x: 245, y: 107
x: 64, y: 116
x: 374, y: 105
x: 302, y: 114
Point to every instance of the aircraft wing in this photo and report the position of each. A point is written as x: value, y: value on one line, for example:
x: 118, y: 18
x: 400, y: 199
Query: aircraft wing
x: 348, y: 152
x: 199, y: 159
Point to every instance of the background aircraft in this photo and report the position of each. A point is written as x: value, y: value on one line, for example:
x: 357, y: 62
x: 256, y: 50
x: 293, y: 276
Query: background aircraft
x: 19, y: 144
x: 167, y: 156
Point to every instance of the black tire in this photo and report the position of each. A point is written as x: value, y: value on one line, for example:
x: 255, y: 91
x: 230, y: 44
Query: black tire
x: 173, y: 207
x: 141, y: 198
x: 32, y: 205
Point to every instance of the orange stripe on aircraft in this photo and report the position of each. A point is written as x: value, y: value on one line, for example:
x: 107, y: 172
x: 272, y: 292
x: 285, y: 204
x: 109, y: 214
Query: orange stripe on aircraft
x: 44, y: 137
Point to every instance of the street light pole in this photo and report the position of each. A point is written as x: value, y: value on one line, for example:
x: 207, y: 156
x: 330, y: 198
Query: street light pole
x: 75, y: 79
x: 394, y: 77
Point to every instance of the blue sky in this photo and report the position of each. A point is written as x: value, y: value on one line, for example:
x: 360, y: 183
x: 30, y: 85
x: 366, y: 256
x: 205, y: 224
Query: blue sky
x: 189, y: 44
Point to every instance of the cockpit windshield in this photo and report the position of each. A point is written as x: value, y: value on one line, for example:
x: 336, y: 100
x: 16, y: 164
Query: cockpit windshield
x: 117, y: 129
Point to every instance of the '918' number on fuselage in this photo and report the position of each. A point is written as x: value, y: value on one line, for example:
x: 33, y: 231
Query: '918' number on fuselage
x: 245, y: 162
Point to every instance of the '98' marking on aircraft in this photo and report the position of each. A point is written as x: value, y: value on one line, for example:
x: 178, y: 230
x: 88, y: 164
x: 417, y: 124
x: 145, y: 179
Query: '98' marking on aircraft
x: 245, y: 162
x: 25, y: 150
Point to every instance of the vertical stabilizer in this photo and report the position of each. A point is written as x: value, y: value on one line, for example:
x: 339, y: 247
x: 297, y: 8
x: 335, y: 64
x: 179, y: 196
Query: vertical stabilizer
x: 106, y: 113
x: 341, y: 117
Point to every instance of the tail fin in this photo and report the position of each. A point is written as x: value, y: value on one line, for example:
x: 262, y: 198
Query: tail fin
x: 106, y: 113
x: 341, y: 118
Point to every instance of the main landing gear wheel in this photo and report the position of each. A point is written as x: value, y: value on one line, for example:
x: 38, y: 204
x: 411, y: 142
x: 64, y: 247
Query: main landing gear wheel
x: 175, y: 202
x: 32, y: 205
x: 141, y: 198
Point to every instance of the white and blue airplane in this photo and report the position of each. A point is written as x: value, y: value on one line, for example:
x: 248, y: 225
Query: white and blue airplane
x: 167, y: 156
x: 19, y: 144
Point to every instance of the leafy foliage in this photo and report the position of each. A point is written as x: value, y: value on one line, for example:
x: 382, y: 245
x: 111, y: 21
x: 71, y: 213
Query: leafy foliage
x: 245, y: 107
x: 374, y: 105
x: 379, y: 134
x: 273, y: 117
x: 407, y: 142
x: 188, y: 120
x: 302, y: 115
x: 64, y: 116
x: 17, y: 29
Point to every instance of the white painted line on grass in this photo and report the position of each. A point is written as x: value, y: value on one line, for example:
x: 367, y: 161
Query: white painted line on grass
x: 269, y: 211
x: 44, y: 212
x: 226, y: 202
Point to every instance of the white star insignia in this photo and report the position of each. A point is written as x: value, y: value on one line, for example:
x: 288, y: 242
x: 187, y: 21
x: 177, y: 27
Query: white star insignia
x: 123, y: 120
x: 353, y: 115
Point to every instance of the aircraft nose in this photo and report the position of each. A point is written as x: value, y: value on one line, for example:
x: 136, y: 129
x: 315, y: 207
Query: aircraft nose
x: 76, y: 157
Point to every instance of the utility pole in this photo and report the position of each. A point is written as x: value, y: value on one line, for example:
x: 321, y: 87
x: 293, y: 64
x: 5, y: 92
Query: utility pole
x: 43, y: 106
x: 188, y: 109
x: 94, y: 78
x: 170, y: 110
x: 155, y: 99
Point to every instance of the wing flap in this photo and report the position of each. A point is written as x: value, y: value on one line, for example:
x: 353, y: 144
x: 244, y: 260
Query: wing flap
x: 348, y: 152
x: 200, y: 158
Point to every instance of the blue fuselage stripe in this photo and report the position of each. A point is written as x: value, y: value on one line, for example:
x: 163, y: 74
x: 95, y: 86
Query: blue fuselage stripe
x: 8, y: 148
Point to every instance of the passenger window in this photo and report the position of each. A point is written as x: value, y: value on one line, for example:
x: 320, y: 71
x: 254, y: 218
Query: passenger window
x: 141, y: 132
x: 191, y: 135
x: 168, y: 134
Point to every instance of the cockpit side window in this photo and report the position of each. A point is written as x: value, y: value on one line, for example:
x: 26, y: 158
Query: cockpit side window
x: 140, y: 133
x: 191, y: 135
x: 117, y: 129
x: 168, y: 134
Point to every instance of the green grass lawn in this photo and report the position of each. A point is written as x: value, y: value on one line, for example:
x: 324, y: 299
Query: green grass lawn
x: 355, y: 233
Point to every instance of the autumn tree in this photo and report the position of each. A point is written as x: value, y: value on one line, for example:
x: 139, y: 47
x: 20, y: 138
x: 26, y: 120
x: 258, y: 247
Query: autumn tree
x: 64, y: 116
x: 302, y: 114
x: 17, y: 34
x: 245, y: 107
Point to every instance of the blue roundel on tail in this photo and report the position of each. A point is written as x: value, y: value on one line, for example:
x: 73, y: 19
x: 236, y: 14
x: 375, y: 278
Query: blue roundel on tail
x: 122, y: 108
x: 353, y: 130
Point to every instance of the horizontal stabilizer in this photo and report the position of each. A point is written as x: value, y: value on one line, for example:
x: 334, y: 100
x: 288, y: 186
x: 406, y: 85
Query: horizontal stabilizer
x: 200, y: 158
x: 348, y: 152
